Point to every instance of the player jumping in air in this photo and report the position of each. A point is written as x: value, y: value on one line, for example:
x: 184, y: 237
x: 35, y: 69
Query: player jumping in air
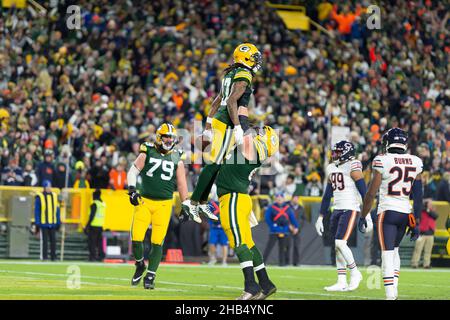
x: 233, y: 183
x: 159, y: 165
x: 226, y: 123
x: 396, y: 174
x: 345, y: 184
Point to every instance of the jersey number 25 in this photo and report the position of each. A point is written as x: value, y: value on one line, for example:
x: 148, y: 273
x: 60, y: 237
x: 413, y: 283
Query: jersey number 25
x: 401, y: 175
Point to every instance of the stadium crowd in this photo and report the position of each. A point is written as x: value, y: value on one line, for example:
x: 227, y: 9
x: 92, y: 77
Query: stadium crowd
x: 76, y: 104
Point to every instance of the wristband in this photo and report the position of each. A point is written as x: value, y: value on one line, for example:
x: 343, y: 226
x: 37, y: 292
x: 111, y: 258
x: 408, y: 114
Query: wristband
x: 209, y: 120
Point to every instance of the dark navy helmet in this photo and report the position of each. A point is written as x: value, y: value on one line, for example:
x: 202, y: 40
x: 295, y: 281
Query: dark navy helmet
x: 343, y: 151
x: 395, y: 138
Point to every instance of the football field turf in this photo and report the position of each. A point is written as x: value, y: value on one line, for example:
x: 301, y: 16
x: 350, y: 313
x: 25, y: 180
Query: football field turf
x: 21, y: 279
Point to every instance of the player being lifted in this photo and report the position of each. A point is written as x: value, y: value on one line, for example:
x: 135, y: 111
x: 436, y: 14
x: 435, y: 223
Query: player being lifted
x: 398, y: 175
x: 345, y: 182
x: 226, y: 123
x: 159, y: 165
x: 233, y: 183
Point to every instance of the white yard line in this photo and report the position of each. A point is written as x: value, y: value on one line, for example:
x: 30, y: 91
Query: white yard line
x: 188, y: 284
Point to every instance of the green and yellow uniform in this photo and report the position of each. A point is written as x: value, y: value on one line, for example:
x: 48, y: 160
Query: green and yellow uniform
x: 233, y: 182
x: 157, y: 188
x: 222, y: 138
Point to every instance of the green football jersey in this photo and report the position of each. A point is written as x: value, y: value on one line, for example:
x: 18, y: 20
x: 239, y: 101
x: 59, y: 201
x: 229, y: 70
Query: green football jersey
x: 236, y: 172
x: 238, y: 74
x: 159, y: 173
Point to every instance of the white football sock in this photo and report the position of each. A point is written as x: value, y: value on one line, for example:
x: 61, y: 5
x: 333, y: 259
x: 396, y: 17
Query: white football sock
x: 341, y: 268
x: 387, y: 265
x: 342, y: 246
x: 397, y: 263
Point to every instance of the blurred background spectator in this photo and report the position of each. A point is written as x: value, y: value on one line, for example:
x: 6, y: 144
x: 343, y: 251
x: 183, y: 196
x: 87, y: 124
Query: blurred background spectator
x: 101, y: 90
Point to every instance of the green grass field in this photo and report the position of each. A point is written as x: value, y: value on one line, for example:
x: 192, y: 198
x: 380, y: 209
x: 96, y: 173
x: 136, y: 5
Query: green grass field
x: 39, y: 280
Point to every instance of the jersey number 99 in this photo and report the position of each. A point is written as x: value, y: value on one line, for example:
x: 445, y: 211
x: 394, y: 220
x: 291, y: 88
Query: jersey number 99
x: 337, y: 181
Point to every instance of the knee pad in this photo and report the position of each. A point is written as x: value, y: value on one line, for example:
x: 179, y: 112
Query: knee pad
x: 340, y: 243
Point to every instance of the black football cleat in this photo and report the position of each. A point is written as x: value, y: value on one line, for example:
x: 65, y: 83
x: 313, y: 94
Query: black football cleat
x: 149, y: 281
x: 267, y: 291
x: 140, y: 269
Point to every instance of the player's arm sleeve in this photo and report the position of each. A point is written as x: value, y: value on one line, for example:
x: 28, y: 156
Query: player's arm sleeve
x: 326, y: 199
x: 243, y: 75
x: 361, y: 186
x: 417, y: 196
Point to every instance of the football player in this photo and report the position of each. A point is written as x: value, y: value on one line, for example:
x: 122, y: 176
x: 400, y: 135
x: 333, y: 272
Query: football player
x: 345, y: 184
x: 396, y: 174
x: 226, y: 123
x: 233, y: 183
x: 160, y: 166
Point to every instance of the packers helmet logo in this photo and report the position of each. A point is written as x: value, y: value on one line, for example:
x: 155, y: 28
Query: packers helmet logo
x: 244, y: 48
x: 273, y: 140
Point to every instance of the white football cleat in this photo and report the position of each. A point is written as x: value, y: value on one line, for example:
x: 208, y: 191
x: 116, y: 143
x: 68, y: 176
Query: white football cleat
x: 337, y: 287
x: 204, y: 208
x: 354, y: 281
x: 191, y: 210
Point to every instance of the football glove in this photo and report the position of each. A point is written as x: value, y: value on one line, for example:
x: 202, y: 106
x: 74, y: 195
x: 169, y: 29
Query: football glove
x: 365, y: 224
x: 207, y: 135
x: 319, y: 225
x: 135, y: 197
x: 414, y: 233
x: 238, y: 135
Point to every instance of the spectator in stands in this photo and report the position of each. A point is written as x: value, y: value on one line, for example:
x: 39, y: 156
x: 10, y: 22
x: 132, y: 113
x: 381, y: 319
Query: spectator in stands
x: 443, y: 190
x: 46, y: 170
x: 118, y: 177
x: 314, y: 186
x: 29, y: 176
x: 425, y: 241
x: 99, y: 175
x: 12, y: 175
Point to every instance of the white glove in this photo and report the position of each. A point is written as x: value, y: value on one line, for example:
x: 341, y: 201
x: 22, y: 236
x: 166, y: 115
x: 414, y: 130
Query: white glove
x: 238, y: 135
x: 319, y: 225
x: 369, y: 223
x: 207, y: 135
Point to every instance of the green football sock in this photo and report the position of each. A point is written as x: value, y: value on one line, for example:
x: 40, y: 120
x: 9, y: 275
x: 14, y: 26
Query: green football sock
x: 204, y: 184
x: 258, y: 265
x: 245, y: 258
x: 154, y: 258
x: 138, y: 250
